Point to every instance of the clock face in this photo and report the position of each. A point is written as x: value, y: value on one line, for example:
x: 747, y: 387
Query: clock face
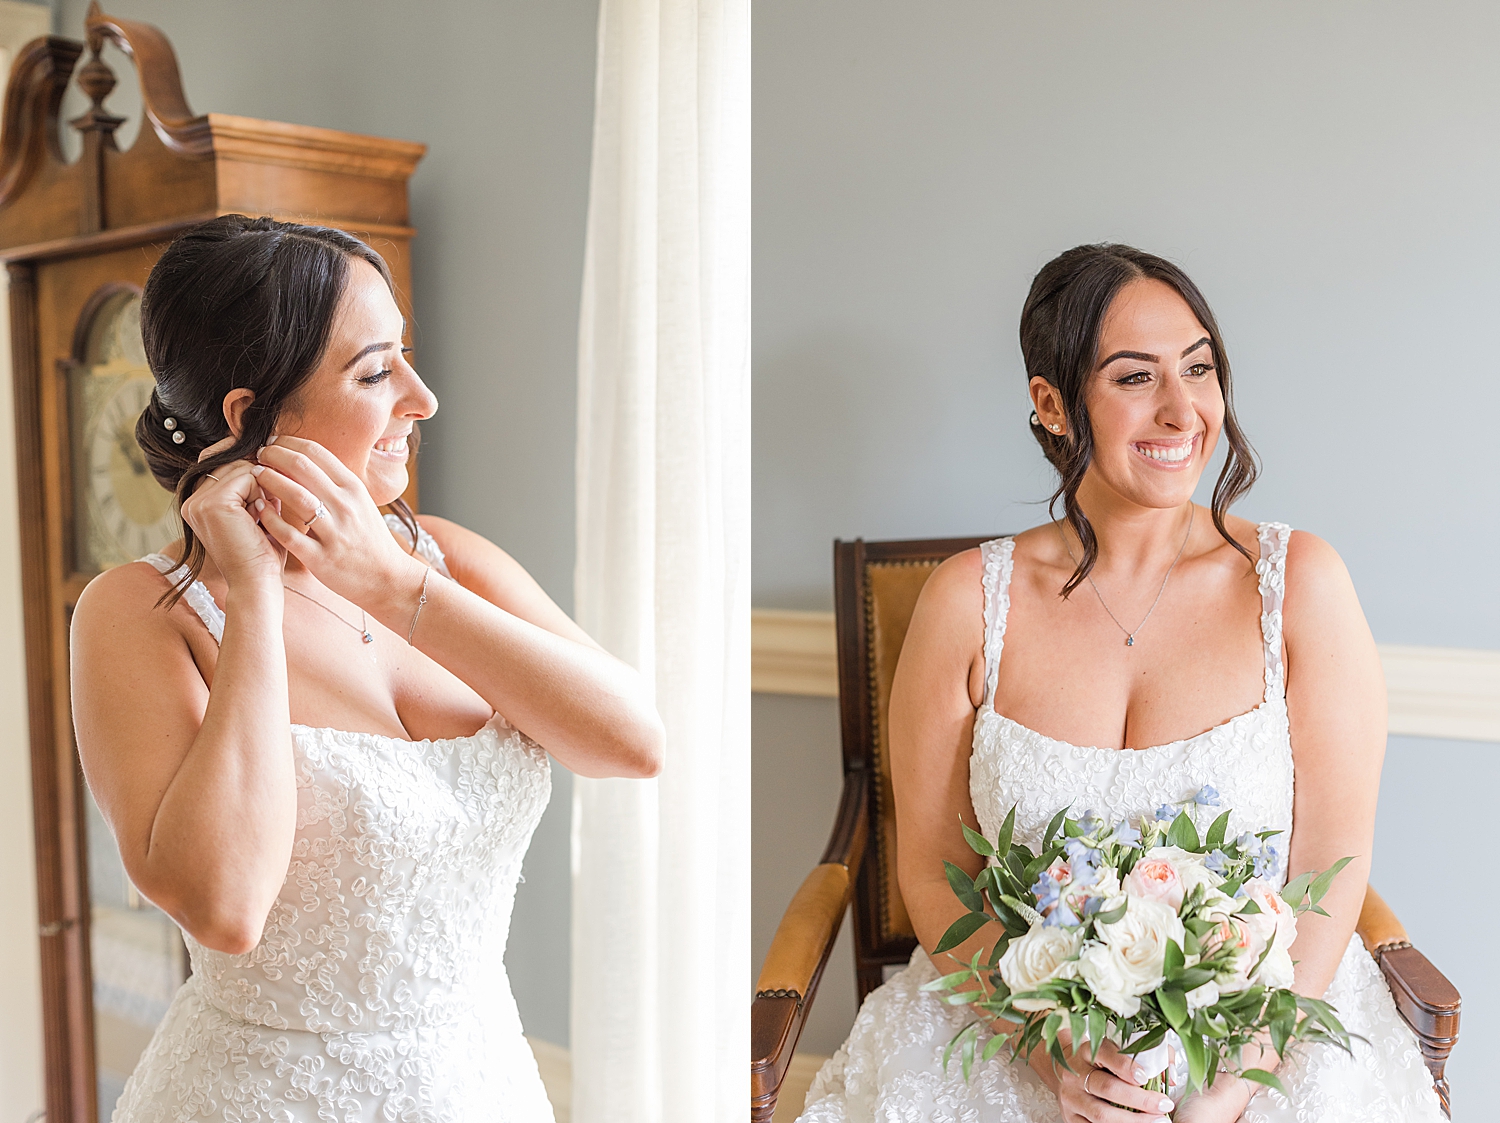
x: 122, y: 513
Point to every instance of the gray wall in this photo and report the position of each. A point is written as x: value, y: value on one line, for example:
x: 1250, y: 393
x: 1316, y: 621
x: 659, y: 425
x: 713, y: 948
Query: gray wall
x: 502, y: 93
x: 1327, y: 173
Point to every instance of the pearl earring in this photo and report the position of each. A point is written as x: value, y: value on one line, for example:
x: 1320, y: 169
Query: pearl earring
x: 1055, y: 427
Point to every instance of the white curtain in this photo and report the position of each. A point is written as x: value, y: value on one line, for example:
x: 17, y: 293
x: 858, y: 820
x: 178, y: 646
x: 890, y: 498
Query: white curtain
x: 660, y: 970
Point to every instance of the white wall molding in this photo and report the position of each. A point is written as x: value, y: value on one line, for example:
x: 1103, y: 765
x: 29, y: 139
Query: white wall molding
x: 1433, y: 691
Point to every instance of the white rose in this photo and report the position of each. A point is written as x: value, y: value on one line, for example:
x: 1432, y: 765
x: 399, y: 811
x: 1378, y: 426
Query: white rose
x: 1276, y: 969
x: 1034, y: 958
x: 1101, y: 969
x: 1136, y: 949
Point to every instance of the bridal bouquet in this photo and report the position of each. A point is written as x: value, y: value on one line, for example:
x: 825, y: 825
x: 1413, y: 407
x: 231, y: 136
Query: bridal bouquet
x: 1171, y: 946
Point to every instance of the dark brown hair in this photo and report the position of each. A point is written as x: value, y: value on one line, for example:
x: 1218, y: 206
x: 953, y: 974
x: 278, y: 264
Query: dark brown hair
x: 237, y: 303
x: 1060, y: 327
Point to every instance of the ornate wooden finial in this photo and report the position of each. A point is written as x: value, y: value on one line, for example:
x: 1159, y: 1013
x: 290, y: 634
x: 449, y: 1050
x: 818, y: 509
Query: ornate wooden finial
x: 97, y: 80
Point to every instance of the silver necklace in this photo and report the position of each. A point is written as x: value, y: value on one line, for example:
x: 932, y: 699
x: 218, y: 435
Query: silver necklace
x: 363, y: 629
x: 1129, y: 632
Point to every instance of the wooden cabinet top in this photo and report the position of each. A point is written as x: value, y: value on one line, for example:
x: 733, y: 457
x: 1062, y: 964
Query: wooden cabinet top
x: 182, y: 169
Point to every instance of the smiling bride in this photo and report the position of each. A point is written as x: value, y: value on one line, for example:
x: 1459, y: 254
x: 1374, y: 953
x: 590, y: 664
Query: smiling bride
x: 321, y: 734
x: 1137, y: 653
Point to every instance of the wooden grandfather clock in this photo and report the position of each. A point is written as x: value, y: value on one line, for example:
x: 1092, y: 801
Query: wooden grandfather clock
x: 78, y: 240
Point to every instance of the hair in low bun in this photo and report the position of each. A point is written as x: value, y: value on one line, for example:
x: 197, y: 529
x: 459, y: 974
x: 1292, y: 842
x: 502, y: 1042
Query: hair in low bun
x: 236, y: 303
x: 1060, y: 327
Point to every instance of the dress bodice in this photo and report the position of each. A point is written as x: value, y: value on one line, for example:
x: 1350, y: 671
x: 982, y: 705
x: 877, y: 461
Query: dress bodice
x: 1247, y: 760
x: 396, y: 905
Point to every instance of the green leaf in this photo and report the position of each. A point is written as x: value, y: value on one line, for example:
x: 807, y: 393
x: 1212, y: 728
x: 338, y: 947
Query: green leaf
x: 977, y: 842
x: 1113, y: 915
x: 1191, y: 978
x: 991, y: 1047
x: 1007, y: 832
x: 1050, y: 1028
x: 1216, y: 831
x: 960, y: 930
x: 1150, y: 1041
x: 1248, y: 907
x: 963, y: 888
x: 1173, y: 1008
x: 1182, y: 833
x: 1192, y: 1045
x: 1261, y: 1076
x: 948, y: 982
x: 1173, y: 961
x: 1096, y: 1022
x: 1324, y: 880
x: 1296, y: 889
x: 1078, y: 1027
x: 1057, y: 821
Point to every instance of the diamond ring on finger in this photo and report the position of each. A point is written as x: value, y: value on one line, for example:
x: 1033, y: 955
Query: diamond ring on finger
x: 316, y: 515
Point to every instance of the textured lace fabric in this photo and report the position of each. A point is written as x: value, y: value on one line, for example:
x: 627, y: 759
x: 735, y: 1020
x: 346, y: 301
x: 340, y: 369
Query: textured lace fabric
x: 378, y: 990
x: 890, y: 1069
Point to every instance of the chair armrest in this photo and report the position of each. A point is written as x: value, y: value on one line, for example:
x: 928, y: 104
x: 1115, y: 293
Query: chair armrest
x: 1424, y: 997
x: 800, y: 949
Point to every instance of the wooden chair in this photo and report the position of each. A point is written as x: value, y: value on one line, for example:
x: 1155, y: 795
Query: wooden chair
x: 875, y: 590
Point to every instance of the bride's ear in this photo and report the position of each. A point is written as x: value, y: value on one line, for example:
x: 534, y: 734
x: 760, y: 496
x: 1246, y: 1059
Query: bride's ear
x: 1046, y: 399
x: 236, y: 402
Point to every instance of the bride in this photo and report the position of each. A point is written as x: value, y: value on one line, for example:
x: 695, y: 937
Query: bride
x: 320, y: 735
x: 1150, y: 648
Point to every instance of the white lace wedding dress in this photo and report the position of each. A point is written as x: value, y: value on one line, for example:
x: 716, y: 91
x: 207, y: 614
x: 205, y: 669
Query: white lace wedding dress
x: 890, y: 1069
x: 377, y: 993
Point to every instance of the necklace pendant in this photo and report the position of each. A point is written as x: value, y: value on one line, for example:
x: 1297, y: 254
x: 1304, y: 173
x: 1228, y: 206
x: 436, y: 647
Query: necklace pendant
x: 1129, y: 641
x: 369, y: 638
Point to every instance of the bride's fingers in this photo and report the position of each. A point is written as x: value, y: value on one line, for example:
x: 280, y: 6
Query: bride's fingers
x: 1106, y: 1086
x: 289, y: 537
x: 292, y: 499
x: 1121, y: 1064
x: 297, y: 465
x: 335, y: 469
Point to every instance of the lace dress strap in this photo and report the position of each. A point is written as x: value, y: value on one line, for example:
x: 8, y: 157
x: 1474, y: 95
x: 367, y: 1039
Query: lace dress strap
x: 1271, y: 570
x: 199, y: 599
x: 996, y: 556
x: 427, y: 547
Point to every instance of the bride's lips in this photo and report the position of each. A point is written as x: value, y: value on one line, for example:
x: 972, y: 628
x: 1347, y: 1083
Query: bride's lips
x: 1172, y: 455
x: 392, y: 448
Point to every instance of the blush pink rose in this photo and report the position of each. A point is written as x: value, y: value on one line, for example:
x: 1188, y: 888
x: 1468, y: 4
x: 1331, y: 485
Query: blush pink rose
x: 1155, y: 879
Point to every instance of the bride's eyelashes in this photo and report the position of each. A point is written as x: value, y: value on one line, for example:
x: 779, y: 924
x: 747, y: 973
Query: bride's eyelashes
x: 375, y: 379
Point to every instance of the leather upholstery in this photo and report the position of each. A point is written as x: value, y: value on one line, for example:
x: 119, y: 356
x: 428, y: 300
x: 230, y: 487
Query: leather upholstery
x: 891, y: 592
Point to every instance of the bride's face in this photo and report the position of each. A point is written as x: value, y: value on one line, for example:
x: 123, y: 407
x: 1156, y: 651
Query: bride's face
x: 1153, y: 399
x: 363, y: 399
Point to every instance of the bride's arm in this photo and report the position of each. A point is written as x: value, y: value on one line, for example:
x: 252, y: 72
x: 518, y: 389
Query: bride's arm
x: 493, y: 627
x: 939, y: 684
x: 197, y: 786
x: 1335, y: 695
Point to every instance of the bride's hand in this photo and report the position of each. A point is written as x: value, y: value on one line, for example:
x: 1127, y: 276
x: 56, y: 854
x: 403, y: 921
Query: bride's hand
x: 219, y: 511
x: 326, y: 519
x: 1223, y: 1103
x: 1102, y: 1089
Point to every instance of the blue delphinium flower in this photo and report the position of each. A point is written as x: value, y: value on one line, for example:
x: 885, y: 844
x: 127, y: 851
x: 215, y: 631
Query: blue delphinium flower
x: 1249, y: 843
x: 1207, y: 796
x: 1217, y: 861
x: 1273, y: 856
x: 1126, y: 835
x: 1164, y: 812
x: 1088, y: 824
x: 1061, y: 917
x: 1047, y: 892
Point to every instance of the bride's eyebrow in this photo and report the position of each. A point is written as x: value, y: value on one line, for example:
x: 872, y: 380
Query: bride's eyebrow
x: 1144, y: 357
x: 370, y: 350
x: 1140, y: 356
